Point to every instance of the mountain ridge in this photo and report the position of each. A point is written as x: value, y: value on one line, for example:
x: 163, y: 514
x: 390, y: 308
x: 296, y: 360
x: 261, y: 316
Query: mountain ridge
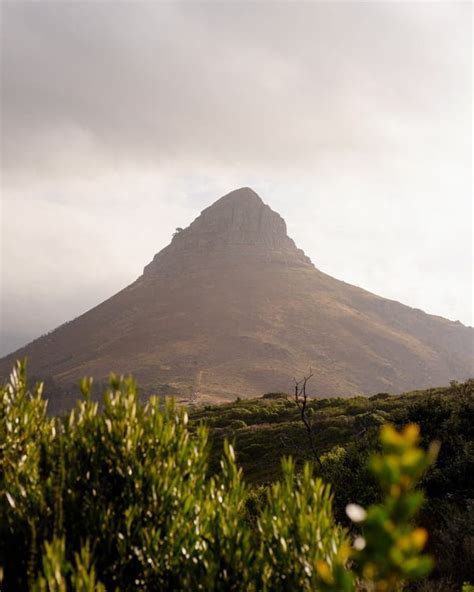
x: 231, y: 307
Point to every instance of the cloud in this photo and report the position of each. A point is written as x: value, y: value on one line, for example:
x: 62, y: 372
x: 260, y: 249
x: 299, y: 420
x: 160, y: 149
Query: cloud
x: 225, y: 83
x: 121, y: 121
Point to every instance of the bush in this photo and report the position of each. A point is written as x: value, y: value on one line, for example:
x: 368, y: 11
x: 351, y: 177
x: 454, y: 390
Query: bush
x: 380, y: 397
x: 273, y: 396
x: 347, y: 470
x: 237, y: 424
x: 124, y: 500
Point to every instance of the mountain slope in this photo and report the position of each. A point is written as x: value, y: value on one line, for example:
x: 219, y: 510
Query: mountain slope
x: 232, y: 307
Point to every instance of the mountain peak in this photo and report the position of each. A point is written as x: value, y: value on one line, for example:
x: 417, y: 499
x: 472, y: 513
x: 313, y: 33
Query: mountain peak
x: 244, y: 200
x: 242, y: 196
x: 232, y: 308
x: 238, y: 224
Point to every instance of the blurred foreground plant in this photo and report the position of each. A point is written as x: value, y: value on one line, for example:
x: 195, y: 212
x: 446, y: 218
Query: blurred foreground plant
x: 389, y: 552
x: 124, y: 500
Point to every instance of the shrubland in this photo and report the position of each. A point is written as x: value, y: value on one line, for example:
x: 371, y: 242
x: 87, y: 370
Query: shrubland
x: 142, y: 497
x: 346, y: 435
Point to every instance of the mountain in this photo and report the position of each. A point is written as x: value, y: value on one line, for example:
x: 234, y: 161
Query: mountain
x: 232, y: 307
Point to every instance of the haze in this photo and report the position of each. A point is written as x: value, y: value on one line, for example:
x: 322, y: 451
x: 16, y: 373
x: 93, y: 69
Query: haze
x: 122, y: 121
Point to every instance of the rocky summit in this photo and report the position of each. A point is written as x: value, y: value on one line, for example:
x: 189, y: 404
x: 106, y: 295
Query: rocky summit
x: 231, y: 307
x: 237, y: 226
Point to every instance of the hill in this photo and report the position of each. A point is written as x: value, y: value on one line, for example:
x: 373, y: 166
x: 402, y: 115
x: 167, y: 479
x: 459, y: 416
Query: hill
x: 345, y: 431
x: 270, y: 427
x: 232, y: 307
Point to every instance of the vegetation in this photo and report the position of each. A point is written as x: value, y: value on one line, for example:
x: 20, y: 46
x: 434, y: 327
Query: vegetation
x: 345, y: 436
x: 126, y: 499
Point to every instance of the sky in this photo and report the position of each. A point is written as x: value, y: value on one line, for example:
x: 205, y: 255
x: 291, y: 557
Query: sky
x: 122, y: 121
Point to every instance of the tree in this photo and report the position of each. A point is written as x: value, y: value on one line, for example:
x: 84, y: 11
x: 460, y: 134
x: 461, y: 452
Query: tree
x: 301, y: 399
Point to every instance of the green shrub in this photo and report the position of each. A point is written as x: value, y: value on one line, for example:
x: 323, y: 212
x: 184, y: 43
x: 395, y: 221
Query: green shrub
x: 237, y: 424
x: 124, y: 500
x: 347, y: 470
x: 275, y: 396
x: 380, y: 397
x: 390, y: 547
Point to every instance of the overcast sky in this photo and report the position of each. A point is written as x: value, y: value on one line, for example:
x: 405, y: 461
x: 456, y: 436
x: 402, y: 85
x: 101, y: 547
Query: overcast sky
x: 122, y: 121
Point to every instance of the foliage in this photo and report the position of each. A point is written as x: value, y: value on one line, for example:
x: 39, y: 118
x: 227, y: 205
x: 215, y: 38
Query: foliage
x: 56, y: 571
x: 125, y: 499
x: 299, y: 536
x: 347, y: 470
x: 389, y: 550
x: 346, y: 440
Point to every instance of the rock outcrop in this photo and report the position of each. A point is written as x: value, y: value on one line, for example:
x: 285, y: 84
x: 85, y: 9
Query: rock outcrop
x: 237, y: 225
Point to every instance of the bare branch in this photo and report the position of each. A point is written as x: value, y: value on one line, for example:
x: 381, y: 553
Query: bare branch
x: 301, y: 399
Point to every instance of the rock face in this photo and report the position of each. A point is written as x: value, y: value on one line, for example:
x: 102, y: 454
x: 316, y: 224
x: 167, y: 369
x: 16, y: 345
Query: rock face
x: 232, y: 308
x: 237, y: 226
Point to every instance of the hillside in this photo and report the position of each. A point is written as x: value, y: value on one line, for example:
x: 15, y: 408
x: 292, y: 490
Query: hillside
x: 264, y: 430
x: 269, y: 427
x: 131, y: 496
x: 232, y: 307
